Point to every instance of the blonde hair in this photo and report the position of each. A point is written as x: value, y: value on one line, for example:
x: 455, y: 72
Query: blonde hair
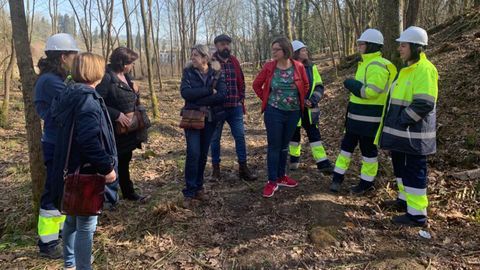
x: 88, y: 68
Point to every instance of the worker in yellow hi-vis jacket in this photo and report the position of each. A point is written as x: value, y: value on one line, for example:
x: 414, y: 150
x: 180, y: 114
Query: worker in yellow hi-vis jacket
x: 368, y: 92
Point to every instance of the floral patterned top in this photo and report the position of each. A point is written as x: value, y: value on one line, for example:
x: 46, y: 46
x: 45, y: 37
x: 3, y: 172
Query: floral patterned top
x: 284, y: 93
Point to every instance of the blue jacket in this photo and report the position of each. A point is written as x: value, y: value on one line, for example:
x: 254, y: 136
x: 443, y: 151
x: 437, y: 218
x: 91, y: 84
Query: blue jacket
x: 93, y: 139
x: 47, y: 87
x: 197, y: 91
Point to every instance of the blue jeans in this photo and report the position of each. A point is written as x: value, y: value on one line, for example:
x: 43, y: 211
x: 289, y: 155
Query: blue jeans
x: 78, y: 241
x: 280, y: 127
x: 234, y: 118
x: 198, y: 142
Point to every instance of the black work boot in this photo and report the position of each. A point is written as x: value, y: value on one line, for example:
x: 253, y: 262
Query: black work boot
x: 245, y: 173
x: 395, y: 205
x: 325, y: 166
x: 294, y: 163
x: 216, y: 172
x: 362, y: 188
x: 409, y: 220
x: 336, y: 182
x: 53, y: 252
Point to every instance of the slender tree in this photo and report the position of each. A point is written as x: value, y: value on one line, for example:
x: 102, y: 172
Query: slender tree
x: 28, y: 77
x: 391, y: 25
x: 412, y: 13
x: 7, y: 82
x: 287, y: 22
x: 146, y: 36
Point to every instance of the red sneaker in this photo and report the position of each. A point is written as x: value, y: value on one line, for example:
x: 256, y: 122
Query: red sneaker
x: 269, y: 189
x: 286, y: 181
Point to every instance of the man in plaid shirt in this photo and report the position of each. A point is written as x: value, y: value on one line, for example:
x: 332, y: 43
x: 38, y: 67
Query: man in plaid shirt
x: 234, y: 108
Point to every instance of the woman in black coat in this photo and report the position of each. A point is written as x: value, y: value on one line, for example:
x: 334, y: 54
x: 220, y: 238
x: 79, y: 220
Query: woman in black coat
x: 121, y: 97
x: 203, y: 88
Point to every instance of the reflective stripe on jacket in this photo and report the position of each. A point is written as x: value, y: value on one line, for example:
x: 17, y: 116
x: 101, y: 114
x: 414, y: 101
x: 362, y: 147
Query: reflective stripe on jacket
x: 365, y: 110
x: 410, y: 121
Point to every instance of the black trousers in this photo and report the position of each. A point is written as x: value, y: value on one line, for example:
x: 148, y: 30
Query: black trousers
x: 126, y: 184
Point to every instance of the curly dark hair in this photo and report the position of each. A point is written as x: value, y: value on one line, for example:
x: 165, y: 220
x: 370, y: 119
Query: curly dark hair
x: 52, y: 63
x: 120, y: 57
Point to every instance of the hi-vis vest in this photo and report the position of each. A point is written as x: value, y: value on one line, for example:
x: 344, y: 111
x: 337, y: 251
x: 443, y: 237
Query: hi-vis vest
x: 364, y: 113
x: 314, y: 113
x: 409, y: 124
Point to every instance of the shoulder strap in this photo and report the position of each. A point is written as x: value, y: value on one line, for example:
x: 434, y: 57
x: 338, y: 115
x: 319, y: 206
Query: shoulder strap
x: 69, y: 148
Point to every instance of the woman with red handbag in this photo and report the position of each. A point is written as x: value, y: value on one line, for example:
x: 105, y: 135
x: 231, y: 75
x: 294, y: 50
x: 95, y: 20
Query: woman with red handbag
x: 85, y: 151
x: 203, y: 88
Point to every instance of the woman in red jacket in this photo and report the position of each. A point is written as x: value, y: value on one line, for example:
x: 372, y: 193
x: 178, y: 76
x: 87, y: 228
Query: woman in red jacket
x: 282, y: 85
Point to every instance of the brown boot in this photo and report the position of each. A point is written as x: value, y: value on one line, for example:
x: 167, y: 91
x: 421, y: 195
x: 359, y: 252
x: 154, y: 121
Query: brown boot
x: 202, y: 196
x: 245, y: 173
x: 216, y: 172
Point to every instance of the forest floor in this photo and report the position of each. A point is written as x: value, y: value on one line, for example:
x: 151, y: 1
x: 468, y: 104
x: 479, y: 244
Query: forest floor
x: 302, y: 228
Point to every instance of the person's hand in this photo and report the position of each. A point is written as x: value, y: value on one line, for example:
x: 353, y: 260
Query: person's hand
x: 123, y: 120
x: 308, y: 103
x: 135, y: 87
x: 386, y: 152
x: 111, y: 177
x: 214, y: 91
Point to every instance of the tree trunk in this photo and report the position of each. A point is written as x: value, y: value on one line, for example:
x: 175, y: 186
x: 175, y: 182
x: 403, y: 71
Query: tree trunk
x: 53, y: 12
x: 300, y: 19
x: 7, y: 81
x: 287, y: 23
x: 155, y: 44
x: 335, y: 27
x: 281, y: 28
x: 32, y: 19
x: 83, y: 28
x: 128, y: 25
x: 109, y: 14
x: 391, y: 22
x: 342, y: 28
x: 146, y: 36
x: 412, y: 13
x: 354, y: 17
x: 258, y: 37
x: 32, y: 121
x: 332, y: 56
x: 170, y: 31
x: 182, y: 33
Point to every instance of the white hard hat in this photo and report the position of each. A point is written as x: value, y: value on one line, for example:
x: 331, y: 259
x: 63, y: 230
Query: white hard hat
x: 414, y: 34
x: 297, y: 45
x: 371, y: 35
x: 61, y: 42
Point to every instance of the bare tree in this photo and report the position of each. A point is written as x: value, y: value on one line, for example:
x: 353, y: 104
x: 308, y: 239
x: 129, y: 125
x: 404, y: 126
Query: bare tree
x: 287, y: 22
x: 155, y: 41
x: 128, y: 25
x: 86, y: 23
x: 28, y: 77
x: 391, y: 25
x: 146, y: 36
x: 7, y: 82
x: 412, y: 13
x: 332, y: 56
x: 53, y: 12
x: 31, y: 19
